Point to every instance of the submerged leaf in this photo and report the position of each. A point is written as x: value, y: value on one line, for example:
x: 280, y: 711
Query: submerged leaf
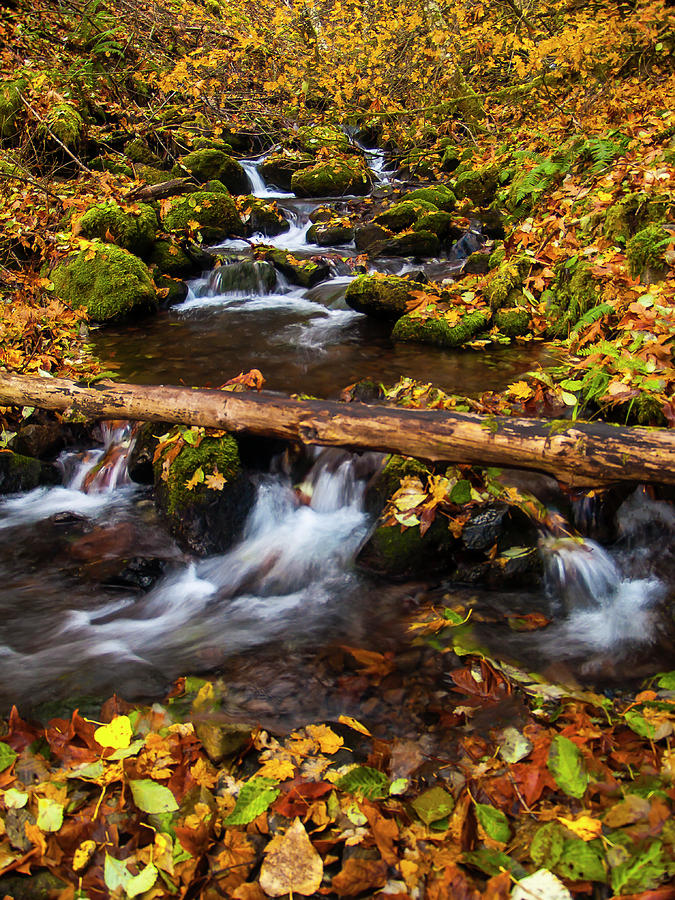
x: 291, y: 864
x: 254, y: 798
x: 566, y: 764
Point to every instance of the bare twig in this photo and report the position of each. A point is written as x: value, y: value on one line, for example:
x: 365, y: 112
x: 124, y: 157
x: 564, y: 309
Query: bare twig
x: 33, y: 112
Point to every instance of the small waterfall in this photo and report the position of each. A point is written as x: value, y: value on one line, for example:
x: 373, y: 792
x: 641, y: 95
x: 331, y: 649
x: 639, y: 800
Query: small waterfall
x: 99, y: 470
x: 579, y: 573
x: 258, y: 186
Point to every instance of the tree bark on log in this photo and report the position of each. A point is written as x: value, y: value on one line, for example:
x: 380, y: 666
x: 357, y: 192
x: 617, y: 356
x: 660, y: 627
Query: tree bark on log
x: 578, y: 453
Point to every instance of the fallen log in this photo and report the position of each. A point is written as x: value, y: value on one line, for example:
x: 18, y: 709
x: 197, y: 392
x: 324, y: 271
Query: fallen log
x: 578, y: 453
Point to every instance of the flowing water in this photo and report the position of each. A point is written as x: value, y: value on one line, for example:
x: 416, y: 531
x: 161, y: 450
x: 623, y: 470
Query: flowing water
x: 96, y: 597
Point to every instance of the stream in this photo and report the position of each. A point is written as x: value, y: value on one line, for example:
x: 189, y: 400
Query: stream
x: 96, y: 597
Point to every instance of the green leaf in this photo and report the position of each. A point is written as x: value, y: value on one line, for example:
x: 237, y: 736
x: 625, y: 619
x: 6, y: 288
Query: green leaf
x: 667, y: 681
x: 566, y: 764
x: 582, y: 861
x: 398, y: 786
x: 492, y: 862
x: 50, y: 814
x: 547, y: 845
x: 493, y: 822
x: 641, y: 872
x: 7, y: 756
x: 637, y: 723
x: 366, y: 782
x: 115, y: 873
x: 88, y: 772
x: 433, y: 805
x: 126, y: 752
x: 461, y: 492
x: 254, y: 798
x: 513, y: 746
x: 139, y: 884
x: 152, y: 797
x: 15, y: 799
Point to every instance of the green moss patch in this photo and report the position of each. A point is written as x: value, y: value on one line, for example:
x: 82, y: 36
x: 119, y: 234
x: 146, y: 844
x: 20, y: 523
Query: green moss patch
x: 404, y: 214
x: 439, y: 195
x: 212, y: 214
x: 646, y: 249
x: 438, y: 331
x: 208, y: 165
x: 477, y: 185
x: 383, y: 296
x: 332, y: 178
x: 573, y: 293
x: 134, y: 231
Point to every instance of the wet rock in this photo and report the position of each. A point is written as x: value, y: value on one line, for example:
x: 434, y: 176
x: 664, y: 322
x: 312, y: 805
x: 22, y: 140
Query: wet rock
x: 438, y: 331
x: 23, y: 473
x: 388, y: 480
x: 263, y: 217
x: 477, y: 264
x: 222, y: 739
x: 170, y: 258
x: 371, y: 236
x: 41, y: 886
x: 110, y: 282
x: 205, y: 165
x: 414, y: 243
x: 140, y: 458
x: 321, y: 214
x: 500, y: 524
x: 478, y: 185
x: 304, y: 272
x: 245, y: 276
x: 278, y: 169
x: 108, y: 221
x: 202, y: 518
x: 170, y: 291
x: 492, y: 222
x: 332, y: 178
x: 215, y: 214
x: 311, y: 138
x: 383, y: 296
x: 39, y: 440
x: 439, y: 223
x: 469, y: 243
x: 331, y: 234
x: 394, y: 552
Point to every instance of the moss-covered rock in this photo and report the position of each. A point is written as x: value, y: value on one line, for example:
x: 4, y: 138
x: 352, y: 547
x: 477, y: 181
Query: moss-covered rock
x: 299, y: 271
x: 11, y: 107
x: 215, y: 215
x: 645, y: 252
x: 371, y: 236
x: 438, y: 331
x: 633, y: 213
x: 263, y: 217
x: 111, y: 164
x: 206, y: 165
x: 404, y: 214
x: 23, y: 473
x: 138, y: 151
x: 204, y: 143
x: 395, y: 553
x: 332, y: 178
x: 331, y: 234
x: 503, y: 286
x: 110, y: 282
x: 451, y: 159
x: 572, y: 294
x: 412, y: 243
x: 389, y: 478
x: 438, y: 223
x: 512, y: 322
x: 382, y: 296
x: 170, y: 258
x: 204, y: 519
x: 311, y: 138
x: 64, y: 122
x: 439, y: 195
x: 170, y: 291
x: 151, y: 174
x: 478, y: 185
x: 278, y: 168
x: 134, y: 231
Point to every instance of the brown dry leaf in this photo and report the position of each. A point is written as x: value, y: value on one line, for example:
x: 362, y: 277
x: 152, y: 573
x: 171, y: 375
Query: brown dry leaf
x: 249, y: 891
x: 291, y: 864
x: 359, y: 875
x: 235, y: 860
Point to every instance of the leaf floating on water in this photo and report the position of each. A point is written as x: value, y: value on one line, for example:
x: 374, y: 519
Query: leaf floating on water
x: 433, y: 805
x: 366, y: 782
x: 117, y: 734
x: 291, y: 864
x: 254, y: 798
x: 514, y: 746
x: 354, y: 724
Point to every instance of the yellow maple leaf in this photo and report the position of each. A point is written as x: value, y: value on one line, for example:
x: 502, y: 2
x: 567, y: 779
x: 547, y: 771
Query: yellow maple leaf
x: 584, y: 827
x: 117, y: 734
x: 328, y: 741
x: 520, y: 390
x: 216, y: 481
x: 83, y: 854
x: 197, y: 478
x: 279, y: 769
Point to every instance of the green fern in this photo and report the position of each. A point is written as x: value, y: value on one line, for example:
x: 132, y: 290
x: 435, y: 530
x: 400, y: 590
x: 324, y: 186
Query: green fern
x: 597, y: 312
x: 603, y: 151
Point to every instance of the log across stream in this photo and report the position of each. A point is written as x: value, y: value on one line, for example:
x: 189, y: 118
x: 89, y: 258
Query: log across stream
x: 578, y: 453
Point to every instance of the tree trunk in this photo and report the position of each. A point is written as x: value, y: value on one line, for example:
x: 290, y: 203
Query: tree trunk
x: 579, y: 453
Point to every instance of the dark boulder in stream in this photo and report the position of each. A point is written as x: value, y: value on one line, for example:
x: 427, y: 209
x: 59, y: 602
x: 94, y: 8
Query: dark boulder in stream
x: 332, y: 178
x: 207, y: 165
x: 23, y: 473
x: 385, y: 297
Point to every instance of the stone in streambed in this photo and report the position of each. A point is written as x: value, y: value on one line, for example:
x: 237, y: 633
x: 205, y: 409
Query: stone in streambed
x: 207, y: 165
x: 303, y: 272
x: 133, y: 230
x: 311, y: 138
x: 331, y: 234
x: 245, y: 276
x: 171, y: 258
x: 332, y: 178
x: 214, y: 214
x: 371, y: 237
x: 438, y: 331
x: 23, y: 473
x: 382, y: 296
x: 278, y: 168
x: 404, y: 214
x: 478, y: 185
x: 204, y: 519
x: 412, y: 243
x: 439, y: 195
x: 263, y: 217
x: 110, y: 282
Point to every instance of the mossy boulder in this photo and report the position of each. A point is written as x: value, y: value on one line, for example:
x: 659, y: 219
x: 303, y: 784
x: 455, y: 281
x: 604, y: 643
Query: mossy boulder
x: 111, y: 164
x: 382, y: 296
x: 645, y: 252
x: 204, y: 519
x: 170, y: 258
x: 108, y: 281
x: 11, y: 107
x: 478, y: 185
x: 263, y: 217
x: 512, y: 322
x: 389, y: 478
x: 404, y: 214
x: 23, y: 473
x: 212, y: 214
x: 633, y: 213
x: 134, y: 231
x: 278, y: 168
x: 170, y: 291
x: 332, y: 178
x: 206, y: 165
x: 138, y: 151
x: 572, y: 294
x: 371, y: 236
x: 503, y: 286
x: 394, y: 552
x: 438, y: 223
x: 245, y: 276
x: 64, y: 122
x: 438, y: 331
x: 451, y: 159
x: 311, y: 138
x: 331, y: 234
x: 151, y: 174
x: 439, y: 195
x: 412, y: 243
x: 304, y: 272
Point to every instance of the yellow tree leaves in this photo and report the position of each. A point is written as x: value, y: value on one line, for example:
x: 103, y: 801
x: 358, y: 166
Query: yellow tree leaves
x: 291, y: 864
